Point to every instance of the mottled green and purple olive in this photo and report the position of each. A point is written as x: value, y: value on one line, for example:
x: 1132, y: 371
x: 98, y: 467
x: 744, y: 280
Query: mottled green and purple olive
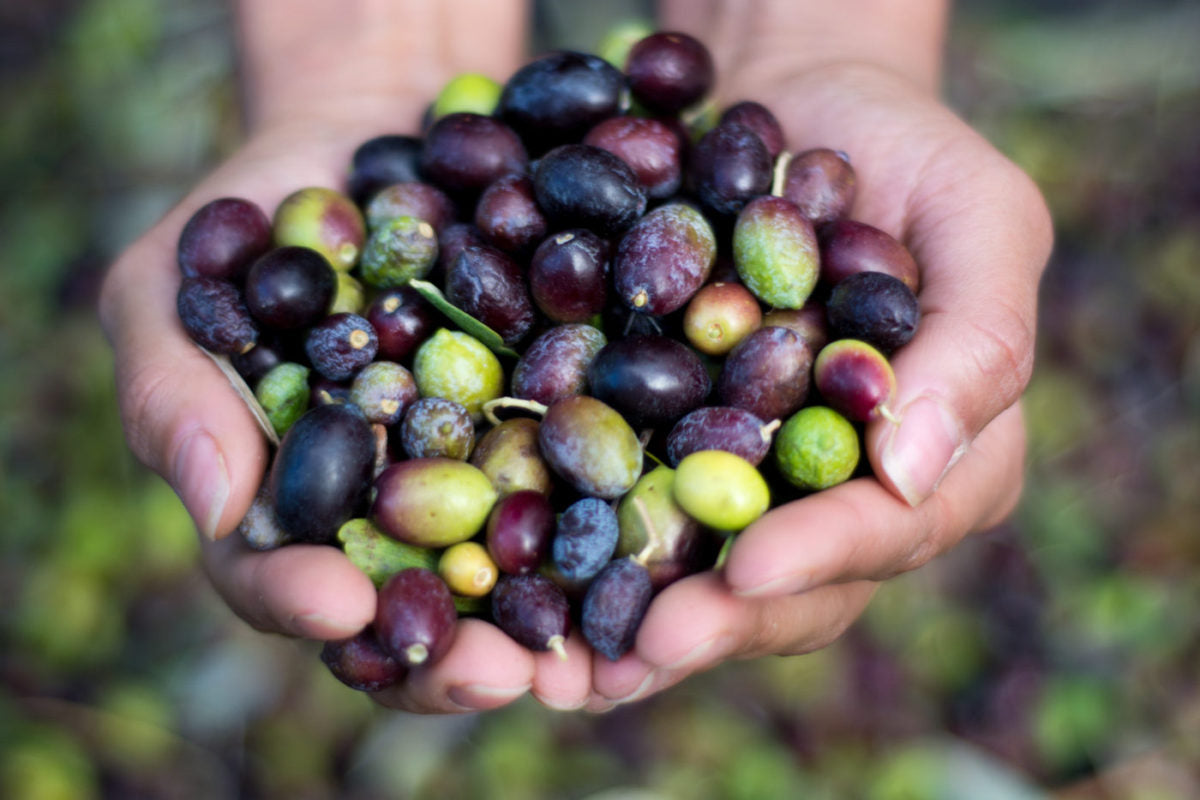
x: 467, y: 569
x: 383, y: 390
x: 775, y: 251
x: 399, y: 250
x: 856, y: 380
x: 410, y: 199
x: 435, y: 426
x: 432, y: 502
x: 817, y: 448
x: 348, y: 295
x: 659, y: 533
x: 720, y: 489
x: 458, y: 367
x: 590, y: 446
x: 326, y: 221
x: 509, y: 455
x: 283, y: 394
x: 379, y: 555
x: 719, y: 316
x: 664, y: 259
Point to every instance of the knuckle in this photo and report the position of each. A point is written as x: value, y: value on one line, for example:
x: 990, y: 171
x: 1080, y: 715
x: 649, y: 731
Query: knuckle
x: 1003, y: 351
x: 145, y: 397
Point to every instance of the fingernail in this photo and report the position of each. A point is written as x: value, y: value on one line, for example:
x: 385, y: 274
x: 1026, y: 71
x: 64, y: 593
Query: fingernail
x: 476, y: 697
x: 201, y: 481
x: 554, y: 705
x: 918, y: 453
x: 784, y: 584
x: 318, y: 626
x: 700, y: 653
x: 640, y: 691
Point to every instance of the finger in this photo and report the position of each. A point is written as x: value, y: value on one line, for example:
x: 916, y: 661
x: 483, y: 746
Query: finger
x: 484, y: 669
x: 312, y: 591
x: 861, y: 531
x: 696, y: 623
x: 181, y: 416
x: 625, y: 680
x: 981, y: 254
x: 564, y: 684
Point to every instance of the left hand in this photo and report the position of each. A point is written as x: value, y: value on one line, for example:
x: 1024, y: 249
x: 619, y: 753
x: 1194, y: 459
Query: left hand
x: 797, y: 578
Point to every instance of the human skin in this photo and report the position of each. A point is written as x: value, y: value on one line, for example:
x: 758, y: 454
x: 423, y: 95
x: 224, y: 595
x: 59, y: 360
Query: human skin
x: 317, y: 84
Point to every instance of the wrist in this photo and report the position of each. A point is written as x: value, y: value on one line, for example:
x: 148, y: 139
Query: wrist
x: 765, y: 40
x: 373, y: 64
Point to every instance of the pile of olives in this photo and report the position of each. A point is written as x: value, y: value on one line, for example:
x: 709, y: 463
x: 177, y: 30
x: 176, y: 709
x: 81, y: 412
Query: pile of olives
x: 552, y: 355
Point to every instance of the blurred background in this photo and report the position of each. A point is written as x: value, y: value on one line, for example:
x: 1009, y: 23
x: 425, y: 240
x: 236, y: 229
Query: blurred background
x: 1055, y: 657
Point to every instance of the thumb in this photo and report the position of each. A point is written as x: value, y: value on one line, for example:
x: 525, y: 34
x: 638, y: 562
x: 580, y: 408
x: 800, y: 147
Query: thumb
x: 181, y: 416
x: 972, y: 356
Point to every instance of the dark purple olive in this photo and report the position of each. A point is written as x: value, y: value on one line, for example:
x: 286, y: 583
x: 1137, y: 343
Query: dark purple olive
x: 533, y: 610
x: 489, y: 285
x: 669, y: 71
x: 215, y: 316
x: 322, y: 472
x: 382, y: 161
x: 568, y: 276
x: 340, y: 345
x: 290, y: 287
x: 729, y: 167
x: 581, y: 186
x: 508, y: 215
x: 849, y: 247
x: 555, y: 99
x: 402, y: 320
x: 651, y: 380
x: 464, y: 152
x: 734, y: 430
x: 768, y: 374
x: 821, y: 183
x: 759, y: 119
x: 415, y: 618
x: 650, y: 147
x: 222, y: 238
x: 361, y: 663
x: 613, y: 608
x: 874, y: 307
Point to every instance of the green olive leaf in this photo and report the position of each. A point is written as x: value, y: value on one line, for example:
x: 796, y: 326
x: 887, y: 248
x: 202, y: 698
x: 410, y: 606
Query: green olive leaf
x: 490, y: 339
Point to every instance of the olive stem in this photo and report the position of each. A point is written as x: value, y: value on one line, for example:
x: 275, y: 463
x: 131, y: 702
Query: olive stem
x: 887, y: 413
x: 767, y: 432
x: 416, y: 654
x: 779, y: 176
x: 643, y: 555
x: 512, y: 402
x: 555, y: 644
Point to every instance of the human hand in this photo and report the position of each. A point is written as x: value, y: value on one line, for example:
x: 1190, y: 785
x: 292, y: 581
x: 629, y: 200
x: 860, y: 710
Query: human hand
x: 181, y: 416
x: 977, y: 226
